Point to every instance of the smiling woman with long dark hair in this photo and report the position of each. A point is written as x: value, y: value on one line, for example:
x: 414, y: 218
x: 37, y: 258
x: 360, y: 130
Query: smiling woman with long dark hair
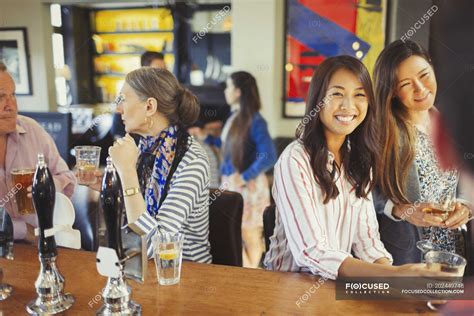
x: 323, y: 182
x: 410, y: 179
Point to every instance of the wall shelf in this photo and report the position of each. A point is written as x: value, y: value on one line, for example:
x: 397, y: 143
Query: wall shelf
x: 135, y: 32
x: 110, y: 74
x: 127, y: 54
x: 121, y: 36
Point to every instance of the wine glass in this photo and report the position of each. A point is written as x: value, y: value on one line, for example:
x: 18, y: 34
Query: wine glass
x: 442, y: 196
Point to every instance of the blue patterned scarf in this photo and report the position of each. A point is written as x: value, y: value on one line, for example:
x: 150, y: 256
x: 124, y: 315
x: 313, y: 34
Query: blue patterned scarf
x: 162, y: 149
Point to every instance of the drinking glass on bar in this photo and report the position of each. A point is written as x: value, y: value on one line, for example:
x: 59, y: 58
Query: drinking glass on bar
x: 168, y: 254
x: 443, y: 261
x: 22, y: 178
x: 87, y: 163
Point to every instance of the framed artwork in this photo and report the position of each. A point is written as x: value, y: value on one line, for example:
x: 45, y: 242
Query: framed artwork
x: 318, y: 29
x: 15, y: 55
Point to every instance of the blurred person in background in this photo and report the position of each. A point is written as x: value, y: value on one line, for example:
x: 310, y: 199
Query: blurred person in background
x: 198, y: 132
x: 248, y: 152
x: 453, y: 129
x: 213, y: 131
x: 153, y: 59
x: 21, y: 140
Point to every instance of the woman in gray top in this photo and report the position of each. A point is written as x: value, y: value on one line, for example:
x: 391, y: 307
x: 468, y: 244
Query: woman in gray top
x: 409, y: 177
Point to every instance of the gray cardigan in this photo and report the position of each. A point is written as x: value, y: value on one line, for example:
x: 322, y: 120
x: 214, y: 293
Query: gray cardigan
x: 400, y: 237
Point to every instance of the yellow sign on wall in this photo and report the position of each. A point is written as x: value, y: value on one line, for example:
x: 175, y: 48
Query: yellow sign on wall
x: 370, y: 26
x: 136, y: 20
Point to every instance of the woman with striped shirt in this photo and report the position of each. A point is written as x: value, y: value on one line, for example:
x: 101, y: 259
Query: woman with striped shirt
x: 322, y: 185
x: 169, y: 168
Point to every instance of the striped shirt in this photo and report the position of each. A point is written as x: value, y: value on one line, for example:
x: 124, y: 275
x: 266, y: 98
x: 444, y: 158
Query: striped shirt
x: 314, y: 237
x: 186, y: 207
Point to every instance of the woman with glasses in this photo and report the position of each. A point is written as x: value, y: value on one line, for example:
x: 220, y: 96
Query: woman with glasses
x: 165, y: 179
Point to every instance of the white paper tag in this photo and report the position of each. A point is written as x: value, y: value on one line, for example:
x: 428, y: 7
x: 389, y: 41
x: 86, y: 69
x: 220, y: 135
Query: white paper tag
x: 47, y: 232
x: 108, y: 262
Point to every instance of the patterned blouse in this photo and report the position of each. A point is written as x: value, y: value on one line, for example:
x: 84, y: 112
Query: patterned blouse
x: 434, y: 185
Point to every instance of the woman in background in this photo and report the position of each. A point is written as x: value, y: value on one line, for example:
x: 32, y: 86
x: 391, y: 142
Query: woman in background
x: 410, y: 178
x: 248, y: 152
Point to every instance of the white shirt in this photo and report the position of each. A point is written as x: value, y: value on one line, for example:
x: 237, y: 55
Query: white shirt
x: 311, y: 236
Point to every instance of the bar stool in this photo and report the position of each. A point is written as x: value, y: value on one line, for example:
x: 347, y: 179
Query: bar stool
x: 225, y: 221
x: 268, y: 224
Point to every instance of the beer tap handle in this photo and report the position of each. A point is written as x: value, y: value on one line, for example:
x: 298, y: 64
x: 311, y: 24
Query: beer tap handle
x: 44, y: 192
x: 111, y: 199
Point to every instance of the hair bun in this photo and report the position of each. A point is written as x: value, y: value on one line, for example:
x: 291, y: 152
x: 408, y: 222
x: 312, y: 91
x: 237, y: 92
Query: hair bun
x: 188, y: 107
x: 179, y: 96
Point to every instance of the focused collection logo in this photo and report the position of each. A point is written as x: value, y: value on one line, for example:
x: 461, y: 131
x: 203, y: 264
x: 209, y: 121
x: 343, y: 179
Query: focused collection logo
x: 367, y: 288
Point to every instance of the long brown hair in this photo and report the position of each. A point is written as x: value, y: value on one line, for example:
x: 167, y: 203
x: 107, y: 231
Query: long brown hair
x: 249, y: 104
x: 359, y: 152
x: 397, y: 136
x: 178, y: 104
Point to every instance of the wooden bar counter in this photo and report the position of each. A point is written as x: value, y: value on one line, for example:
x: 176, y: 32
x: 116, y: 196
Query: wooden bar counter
x: 204, y: 289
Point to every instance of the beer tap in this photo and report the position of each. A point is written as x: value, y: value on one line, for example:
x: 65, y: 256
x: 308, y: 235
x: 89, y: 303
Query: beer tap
x: 6, y: 249
x: 125, y: 254
x: 49, y: 285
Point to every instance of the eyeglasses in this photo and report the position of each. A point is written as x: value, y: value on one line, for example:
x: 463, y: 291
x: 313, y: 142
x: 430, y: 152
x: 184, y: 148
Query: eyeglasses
x: 118, y: 100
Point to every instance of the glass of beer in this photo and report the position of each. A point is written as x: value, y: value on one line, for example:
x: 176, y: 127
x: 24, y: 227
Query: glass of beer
x: 22, y: 178
x: 441, y: 210
x: 168, y: 253
x: 87, y: 163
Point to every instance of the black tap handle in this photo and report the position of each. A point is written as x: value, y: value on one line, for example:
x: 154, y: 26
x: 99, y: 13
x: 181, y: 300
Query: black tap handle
x: 111, y: 200
x: 6, y: 233
x: 44, y: 195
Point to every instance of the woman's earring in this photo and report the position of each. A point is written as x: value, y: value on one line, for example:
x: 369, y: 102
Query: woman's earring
x: 150, y: 123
